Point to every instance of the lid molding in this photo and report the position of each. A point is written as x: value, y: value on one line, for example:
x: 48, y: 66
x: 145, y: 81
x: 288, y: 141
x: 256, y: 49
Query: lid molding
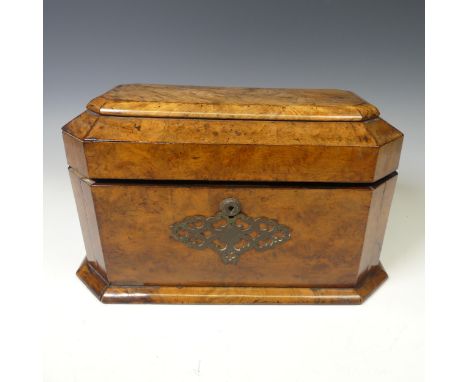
x: 200, y: 102
x: 132, y: 148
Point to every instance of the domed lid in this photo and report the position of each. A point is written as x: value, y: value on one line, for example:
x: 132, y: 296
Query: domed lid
x: 161, y: 132
x: 140, y: 100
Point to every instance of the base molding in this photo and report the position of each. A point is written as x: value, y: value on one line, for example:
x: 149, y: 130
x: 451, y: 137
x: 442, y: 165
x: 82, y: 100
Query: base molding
x: 108, y: 293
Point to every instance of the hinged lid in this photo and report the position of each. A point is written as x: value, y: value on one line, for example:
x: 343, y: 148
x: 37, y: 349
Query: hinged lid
x: 161, y: 132
x: 140, y: 100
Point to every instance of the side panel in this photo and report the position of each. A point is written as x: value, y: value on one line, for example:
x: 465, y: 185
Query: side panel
x: 388, y: 158
x: 378, y: 217
x: 74, y: 150
x: 88, y: 222
x: 328, y: 227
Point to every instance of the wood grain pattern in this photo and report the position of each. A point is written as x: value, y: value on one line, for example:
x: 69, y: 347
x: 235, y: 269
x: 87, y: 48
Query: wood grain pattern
x: 93, y: 127
x: 161, y: 149
x: 328, y: 227
x: 145, y: 100
x: 376, y: 224
x: 319, y: 161
x: 108, y: 293
x: 88, y: 220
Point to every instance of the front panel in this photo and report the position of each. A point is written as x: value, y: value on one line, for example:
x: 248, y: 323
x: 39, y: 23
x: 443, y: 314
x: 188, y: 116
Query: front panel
x: 327, y: 226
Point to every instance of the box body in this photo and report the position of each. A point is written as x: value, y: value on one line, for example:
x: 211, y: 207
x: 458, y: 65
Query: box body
x: 137, y: 178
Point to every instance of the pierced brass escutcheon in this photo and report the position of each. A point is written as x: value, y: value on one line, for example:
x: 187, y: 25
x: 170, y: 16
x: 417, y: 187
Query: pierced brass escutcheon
x: 230, y: 233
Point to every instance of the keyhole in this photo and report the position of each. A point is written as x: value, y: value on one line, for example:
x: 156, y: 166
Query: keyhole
x: 230, y: 207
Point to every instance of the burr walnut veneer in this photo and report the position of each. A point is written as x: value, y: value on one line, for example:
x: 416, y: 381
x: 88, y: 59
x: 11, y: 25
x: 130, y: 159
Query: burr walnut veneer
x: 192, y: 194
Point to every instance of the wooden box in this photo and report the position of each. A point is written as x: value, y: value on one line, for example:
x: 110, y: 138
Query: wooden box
x: 192, y: 194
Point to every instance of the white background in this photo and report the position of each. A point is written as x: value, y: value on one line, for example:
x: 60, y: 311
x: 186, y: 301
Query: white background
x: 83, y: 340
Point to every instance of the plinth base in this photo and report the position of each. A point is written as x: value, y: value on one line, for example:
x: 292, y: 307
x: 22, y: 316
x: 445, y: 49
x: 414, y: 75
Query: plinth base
x: 109, y: 293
